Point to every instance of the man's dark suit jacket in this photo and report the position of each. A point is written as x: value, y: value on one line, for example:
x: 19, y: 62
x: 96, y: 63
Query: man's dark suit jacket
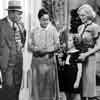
x: 7, y: 45
x: 7, y: 42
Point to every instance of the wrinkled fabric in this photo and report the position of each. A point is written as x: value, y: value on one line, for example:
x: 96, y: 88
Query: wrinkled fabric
x: 43, y: 68
x: 90, y: 39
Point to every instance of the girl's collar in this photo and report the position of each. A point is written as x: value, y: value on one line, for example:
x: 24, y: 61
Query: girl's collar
x: 46, y: 27
x: 73, y: 50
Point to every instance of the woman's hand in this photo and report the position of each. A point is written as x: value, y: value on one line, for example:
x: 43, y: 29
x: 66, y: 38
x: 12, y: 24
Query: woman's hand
x: 82, y: 56
x: 76, y: 84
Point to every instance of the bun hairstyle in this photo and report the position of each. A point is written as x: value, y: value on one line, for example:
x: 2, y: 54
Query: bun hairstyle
x: 42, y: 12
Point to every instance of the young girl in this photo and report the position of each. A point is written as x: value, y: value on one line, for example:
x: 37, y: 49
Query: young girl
x: 71, y: 71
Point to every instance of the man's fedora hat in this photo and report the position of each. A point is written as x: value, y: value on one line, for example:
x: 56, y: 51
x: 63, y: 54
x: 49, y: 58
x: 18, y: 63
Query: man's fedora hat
x: 15, y: 5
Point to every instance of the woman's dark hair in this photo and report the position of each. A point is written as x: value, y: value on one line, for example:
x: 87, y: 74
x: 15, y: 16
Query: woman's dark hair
x: 42, y: 12
x: 75, y: 21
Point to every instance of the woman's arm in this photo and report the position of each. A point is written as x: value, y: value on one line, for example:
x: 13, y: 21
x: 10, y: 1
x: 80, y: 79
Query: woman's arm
x: 30, y: 46
x: 91, y: 51
x: 78, y: 76
x: 95, y: 49
x: 31, y: 42
x: 96, y: 35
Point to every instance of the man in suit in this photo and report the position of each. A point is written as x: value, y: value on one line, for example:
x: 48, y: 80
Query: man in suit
x: 12, y: 39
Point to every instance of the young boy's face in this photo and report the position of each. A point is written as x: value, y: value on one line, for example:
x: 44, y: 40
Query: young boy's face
x: 44, y: 20
x: 70, y: 43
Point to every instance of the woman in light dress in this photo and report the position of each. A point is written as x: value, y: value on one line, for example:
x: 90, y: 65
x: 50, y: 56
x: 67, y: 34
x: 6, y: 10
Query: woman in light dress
x: 89, y: 36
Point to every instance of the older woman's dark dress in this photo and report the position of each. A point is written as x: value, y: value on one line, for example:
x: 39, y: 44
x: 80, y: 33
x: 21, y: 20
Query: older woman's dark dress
x: 68, y: 72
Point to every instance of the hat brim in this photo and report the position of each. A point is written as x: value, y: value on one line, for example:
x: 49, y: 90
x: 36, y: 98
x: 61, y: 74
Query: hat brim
x: 20, y: 10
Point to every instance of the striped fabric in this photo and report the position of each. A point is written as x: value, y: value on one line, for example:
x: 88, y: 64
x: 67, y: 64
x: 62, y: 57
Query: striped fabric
x: 17, y: 38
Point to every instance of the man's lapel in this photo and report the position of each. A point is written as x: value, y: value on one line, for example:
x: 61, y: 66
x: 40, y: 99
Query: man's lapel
x: 8, y: 27
x: 8, y: 31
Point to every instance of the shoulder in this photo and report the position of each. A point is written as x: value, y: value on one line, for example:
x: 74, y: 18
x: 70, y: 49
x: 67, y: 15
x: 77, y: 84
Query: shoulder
x: 94, y: 25
x: 3, y: 21
x: 95, y: 28
x: 51, y: 27
x: 53, y: 31
x: 80, y: 27
x: 34, y: 30
x: 21, y: 23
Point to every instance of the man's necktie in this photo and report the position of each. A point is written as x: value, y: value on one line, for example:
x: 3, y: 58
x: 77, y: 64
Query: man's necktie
x: 17, y: 37
x: 14, y: 28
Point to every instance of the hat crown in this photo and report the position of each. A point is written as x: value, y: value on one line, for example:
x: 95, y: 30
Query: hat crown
x: 14, y: 3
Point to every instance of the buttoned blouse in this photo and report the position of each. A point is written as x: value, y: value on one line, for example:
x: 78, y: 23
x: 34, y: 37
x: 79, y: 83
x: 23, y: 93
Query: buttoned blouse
x: 44, y: 39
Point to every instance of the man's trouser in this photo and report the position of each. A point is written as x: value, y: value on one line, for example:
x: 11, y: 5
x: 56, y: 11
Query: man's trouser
x: 12, y: 76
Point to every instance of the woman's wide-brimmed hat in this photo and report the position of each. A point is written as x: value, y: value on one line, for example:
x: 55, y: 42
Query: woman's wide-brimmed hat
x: 14, y: 5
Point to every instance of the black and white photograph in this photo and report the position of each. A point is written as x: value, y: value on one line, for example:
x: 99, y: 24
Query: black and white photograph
x: 49, y: 49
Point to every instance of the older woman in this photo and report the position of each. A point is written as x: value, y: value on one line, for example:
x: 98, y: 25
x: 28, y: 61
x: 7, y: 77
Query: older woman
x: 43, y: 43
x: 90, y: 43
